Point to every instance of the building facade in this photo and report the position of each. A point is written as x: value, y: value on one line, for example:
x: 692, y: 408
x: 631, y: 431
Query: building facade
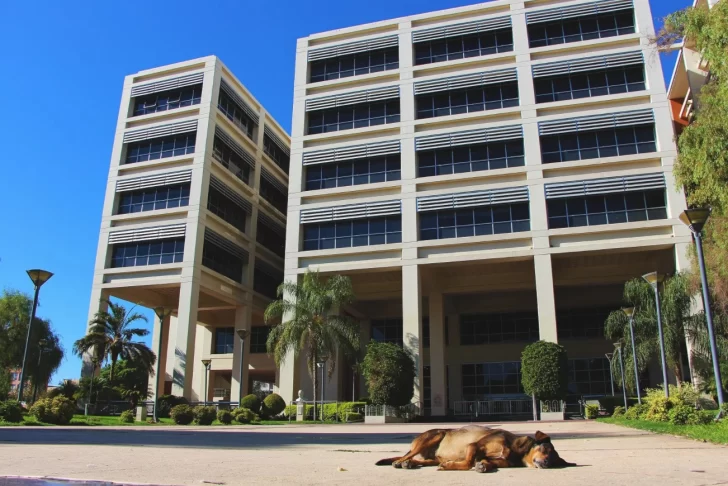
x: 194, y: 224
x: 487, y: 176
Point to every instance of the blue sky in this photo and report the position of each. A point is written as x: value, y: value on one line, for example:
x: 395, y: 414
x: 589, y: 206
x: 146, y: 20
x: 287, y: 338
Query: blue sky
x: 64, y: 67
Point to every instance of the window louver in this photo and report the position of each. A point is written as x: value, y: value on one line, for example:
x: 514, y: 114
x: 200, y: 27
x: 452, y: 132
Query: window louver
x: 147, y: 234
x: 461, y: 29
x: 236, y: 198
x: 161, y: 131
x: 239, y: 100
x: 357, y: 97
x: 588, y: 64
x: 277, y: 140
x: 471, y: 199
x: 466, y: 81
x: 595, y: 8
x: 352, y: 211
x: 227, y: 245
x: 352, y: 152
x: 273, y: 180
x: 235, y: 147
x: 158, y: 86
x: 470, y: 137
x: 353, y: 48
x: 596, y: 122
x: 166, y: 179
x: 605, y: 186
x: 271, y: 223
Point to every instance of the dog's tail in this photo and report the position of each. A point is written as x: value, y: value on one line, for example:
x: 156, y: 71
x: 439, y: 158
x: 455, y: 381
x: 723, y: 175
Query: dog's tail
x: 387, y: 462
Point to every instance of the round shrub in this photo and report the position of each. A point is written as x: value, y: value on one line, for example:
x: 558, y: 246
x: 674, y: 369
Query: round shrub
x: 11, y: 411
x: 390, y: 374
x: 636, y: 412
x: 224, y: 416
x: 243, y: 415
x: 591, y: 411
x: 167, y: 402
x: 290, y: 411
x: 680, y: 414
x: 204, y: 415
x: 41, y: 410
x: 251, y: 402
x: 274, y: 405
x: 618, y: 411
x: 182, y: 414
x: 658, y: 409
x: 126, y: 417
x: 545, y: 370
x: 58, y: 410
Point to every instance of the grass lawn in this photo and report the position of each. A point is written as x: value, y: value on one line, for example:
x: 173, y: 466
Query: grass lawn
x: 96, y: 420
x: 713, y: 432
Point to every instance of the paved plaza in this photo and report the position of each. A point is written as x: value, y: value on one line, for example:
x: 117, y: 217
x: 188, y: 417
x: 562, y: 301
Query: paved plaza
x: 334, y: 454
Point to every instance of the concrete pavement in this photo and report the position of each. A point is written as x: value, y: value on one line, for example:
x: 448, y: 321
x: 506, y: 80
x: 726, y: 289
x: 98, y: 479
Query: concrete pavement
x: 334, y: 454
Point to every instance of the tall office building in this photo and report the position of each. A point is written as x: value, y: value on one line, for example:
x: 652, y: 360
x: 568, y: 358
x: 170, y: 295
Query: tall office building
x: 194, y: 223
x: 488, y: 176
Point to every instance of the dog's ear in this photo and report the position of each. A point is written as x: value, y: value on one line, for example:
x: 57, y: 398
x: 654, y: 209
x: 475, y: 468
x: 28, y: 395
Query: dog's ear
x: 542, y: 438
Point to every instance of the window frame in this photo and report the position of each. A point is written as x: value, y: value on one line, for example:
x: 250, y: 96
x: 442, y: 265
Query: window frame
x: 153, y: 199
x: 564, y: 212
x: 351, y: 233
x: 584, y: 34
x: 467, y: 100
x: 361, y: 64
x: 349, y: 117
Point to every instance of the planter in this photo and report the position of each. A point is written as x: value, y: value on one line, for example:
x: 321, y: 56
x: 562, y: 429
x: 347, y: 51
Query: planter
x: 552, y: 410
x: 141, y: 413
x: 385, y: 414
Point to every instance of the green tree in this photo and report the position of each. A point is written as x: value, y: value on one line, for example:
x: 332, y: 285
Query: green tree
x: 4, y: 384
x: 310, y: 322
x: 110, y: 335
x: 130, y: 381
x: 545, y: 371
x: 390, y: 374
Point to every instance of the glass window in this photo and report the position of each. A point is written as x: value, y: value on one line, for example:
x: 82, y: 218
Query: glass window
x: 591, y: 84
x: 159, y: 148
x: 225, y: 208
x: 608, y: 143
x: 147, y: 253
x: 447, y: 223
x: 167, y: 100
x: 223, y: 261
x: 154, y: 198
x: 581, y: 28
x: 231, y: 159
x: 607, y: 209
x: 470, y: 158
x: 356, y: 172
x: 271, y: 236
x: 354, y: 64
x: 235, y: 113
x: 363, y: 115
x: 358, y: 232
x: 279, y: 156
x: 457, y: 47
x: 586, y: 323
x: 224, y: 340
x: 591, y: 376
x: 485, y: 380
x: 387, y: 331
x: 266, y: 280
x: 457, y: 101
x: 259, y: 338
x: 274, y: 195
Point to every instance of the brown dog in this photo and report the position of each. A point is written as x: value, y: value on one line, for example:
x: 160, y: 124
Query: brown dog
x: 480, y: 447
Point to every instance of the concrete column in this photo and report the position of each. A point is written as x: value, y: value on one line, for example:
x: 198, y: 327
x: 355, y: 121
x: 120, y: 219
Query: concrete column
x: 545, y: 297
x: 412, y: 324
x: 160, y: 366
x: 243, y: 320
x: 289, y: 371
x: 98, y: 303
x: 437, y: 355
x: 184, y: 339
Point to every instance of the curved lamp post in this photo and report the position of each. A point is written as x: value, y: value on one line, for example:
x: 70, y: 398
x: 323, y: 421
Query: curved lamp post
x: 242, y: 334
x: 41, y: 349
x: 39, y: 277
x: 629, y: 312
x: 162, y: 313
x: 206, y: 364
x: 621, y: 368
x: 611, y: 371
x: 321, y: 363
x: 695, y: 219
x: 654, y: 280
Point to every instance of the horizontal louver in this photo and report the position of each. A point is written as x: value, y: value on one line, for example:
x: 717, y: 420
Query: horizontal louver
x: 226, y: 245
x: 471, y: 199
x: 156, y: 87
x: 146, y: 234
x: 605, y: 186
x: 273, y: 180
x: 277, y: 140
x: 461, y: 29
x: 268, y: 269
x: 236, y: 198
x: 471, y: 137
x: 353, y: 48
x: 350, y: 153
x: 239, y: 100
x: 271, y: 223
x: 366, y: 96
x: 466, y: 81
x: 353, y: 211
x: 596, y: 122
x: 167, y: 179
x: 163, y: 131
x: 588, y: 64
x: 595, y: 8
x: 235, y: 147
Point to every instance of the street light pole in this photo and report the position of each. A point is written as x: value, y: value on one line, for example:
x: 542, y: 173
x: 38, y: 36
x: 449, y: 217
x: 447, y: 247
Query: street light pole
x: 322, y: 364
x: 629, y: 312
x: 695, y: 219
x: 654, y: 280
x: 621, y: 368
x: 206, y: 363
x: 162, y: 314
x: 242, y: 334
x: 39, y: 277
x: 41, y: 347
x: 611, y: 371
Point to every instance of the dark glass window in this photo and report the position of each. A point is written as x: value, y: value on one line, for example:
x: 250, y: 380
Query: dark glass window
x: 590, y: 376
x: 161, y: 148
x: 266, y: 283
x: 357, y: 232
x: 498, y: 328
x: 425, y: 332
x: 222, y: 261
x: 427, y: 389
x: 154, y: 198
x: 470, y: 158
x: 144, y: 253
x: 584, y: 323
x: 638, y: 139
x: 353, y: 116
x: 221, y: 205
x: 488, y: 97
x: 258, y: 338
x: 231, y: 160
x: 224, y: 340
x: 273, y: 195
x: 589, y: 84
x: 483, y: 44
x: 355, y: 64
x: 273, y: 240
x: 387, y: 331
x: 279, y: 156
x: 236, y: 114
x: 167, y: 100
x: 487, y: 379
x: 581, y: 28
x: 478, y: 221
x: 353, y: 172
x: 607, y: 209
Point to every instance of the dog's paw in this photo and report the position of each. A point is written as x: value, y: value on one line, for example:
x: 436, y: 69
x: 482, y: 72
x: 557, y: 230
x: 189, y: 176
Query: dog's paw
x: 397, y: 464
x: 483, y: 467
x: 407, y: 464
x: 443, y: 466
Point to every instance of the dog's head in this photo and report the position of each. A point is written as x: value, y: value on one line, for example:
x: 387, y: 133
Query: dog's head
x: 543, y: 455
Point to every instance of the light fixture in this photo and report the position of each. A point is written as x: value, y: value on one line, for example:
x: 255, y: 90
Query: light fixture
x: 629, y: 312
x: 695, y: 219
x: 654, y: 279
x: 39, y: 277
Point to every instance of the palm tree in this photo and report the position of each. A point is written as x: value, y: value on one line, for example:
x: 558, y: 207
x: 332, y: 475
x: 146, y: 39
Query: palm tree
x: 110, y: 336
x: 310, y: 322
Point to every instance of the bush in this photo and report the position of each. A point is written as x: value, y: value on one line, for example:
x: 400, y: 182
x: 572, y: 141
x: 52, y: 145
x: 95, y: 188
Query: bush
x: 658, y: 409
x: 290, y: 411
x: 273, y: 405
x: 224, y: 416
x: 251, y: 402
x: 167, y: 402
x: 591, y: 411
x: 204, y: 415
x: 681, y: 414
x: 390, y: 374
x: 545, y: 370
x: 245, y: 416
x: 618, y: 411
x: 11, y: 411
x: 58, y: 410
x: 127, y: 417
x: 182, y: 414
x: 355, y: 417
x: 636, y: 412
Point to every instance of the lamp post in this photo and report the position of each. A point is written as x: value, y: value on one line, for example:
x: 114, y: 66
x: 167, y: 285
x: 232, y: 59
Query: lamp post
x: 695, y: 219
x: 629, y: 312
x: 242, y: 334
x: 611, y: 372
x: 39, y: 277
x: 654, y: 280
x: 162, y: 313
x: 621, y: 368
x: 41, y: 348
x: 206, y: 363
x: 95, y: 363
x: 321, y: 363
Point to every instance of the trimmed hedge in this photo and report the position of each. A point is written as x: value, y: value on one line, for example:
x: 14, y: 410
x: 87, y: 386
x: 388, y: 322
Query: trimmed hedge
x: 182, y: 414
x: 245, y: 415
x: 341, y: 411
x: 251, y: 402
x: 11, y: 411
x: 273, y: 405
x: 167, y: 402
x: 545, y: 371
x: 204, y: 415
x: 58, y: 410
x: 126, y: 417
x: 390, y: 374
x: 224, y: 416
